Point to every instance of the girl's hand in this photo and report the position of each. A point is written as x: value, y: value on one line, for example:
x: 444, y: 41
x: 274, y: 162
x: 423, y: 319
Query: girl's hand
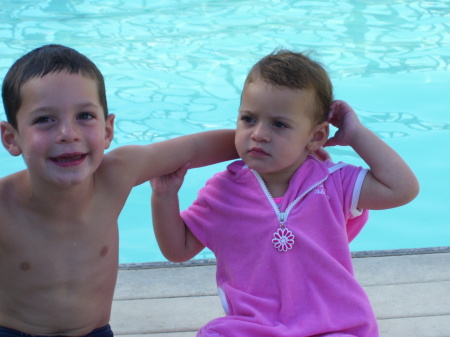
x: 169, y: 184
x: 389, y: 182
x: 343, y: 117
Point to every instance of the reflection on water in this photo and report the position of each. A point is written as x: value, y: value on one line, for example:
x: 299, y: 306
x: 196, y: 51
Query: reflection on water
x: 403, y: 123
x: 177, y: 67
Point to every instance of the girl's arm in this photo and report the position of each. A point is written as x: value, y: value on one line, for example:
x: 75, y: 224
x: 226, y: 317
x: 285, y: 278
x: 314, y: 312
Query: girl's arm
x: 390, y: 182
x: 176, y: 241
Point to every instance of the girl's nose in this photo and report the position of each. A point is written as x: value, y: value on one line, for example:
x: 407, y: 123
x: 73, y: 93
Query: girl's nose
x: 261, y: 133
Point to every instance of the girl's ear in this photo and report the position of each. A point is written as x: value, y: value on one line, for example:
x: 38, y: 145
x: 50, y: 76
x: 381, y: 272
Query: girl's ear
x: 320, y: 135
x: 9, y: 134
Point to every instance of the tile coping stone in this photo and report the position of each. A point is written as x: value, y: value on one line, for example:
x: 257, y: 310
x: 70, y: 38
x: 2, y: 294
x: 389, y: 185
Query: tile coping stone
x: 357, y: 254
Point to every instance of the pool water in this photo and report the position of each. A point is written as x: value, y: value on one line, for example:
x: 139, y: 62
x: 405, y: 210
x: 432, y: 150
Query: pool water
x: 177, y: 67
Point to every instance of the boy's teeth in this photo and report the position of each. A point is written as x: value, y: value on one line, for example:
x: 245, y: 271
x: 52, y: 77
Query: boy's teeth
x: 67, y: 159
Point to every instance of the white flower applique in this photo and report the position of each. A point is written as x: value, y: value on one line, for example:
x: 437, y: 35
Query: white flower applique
x: 283, y: 239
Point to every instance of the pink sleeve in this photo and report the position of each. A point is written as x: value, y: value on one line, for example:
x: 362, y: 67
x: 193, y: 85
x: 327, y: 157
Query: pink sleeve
x: 352, y: 178
x: 357, y: 217
x: 199, y: 217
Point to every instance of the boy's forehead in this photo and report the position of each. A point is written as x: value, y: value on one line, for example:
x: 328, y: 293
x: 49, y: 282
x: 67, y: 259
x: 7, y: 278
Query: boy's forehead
x: 64, y: 74
x: 60, y: 80
x: 60, y: 87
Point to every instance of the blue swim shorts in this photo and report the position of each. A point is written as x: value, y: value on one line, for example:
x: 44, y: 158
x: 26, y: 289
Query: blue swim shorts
x: 100, y: 332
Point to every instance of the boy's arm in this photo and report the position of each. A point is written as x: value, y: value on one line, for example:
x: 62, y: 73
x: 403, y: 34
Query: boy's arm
x: 144, y: 162
x: 176, y: 241
x: 390, y: 182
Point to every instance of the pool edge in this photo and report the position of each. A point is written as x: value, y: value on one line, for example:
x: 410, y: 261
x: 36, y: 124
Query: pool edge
x: 357, y: 254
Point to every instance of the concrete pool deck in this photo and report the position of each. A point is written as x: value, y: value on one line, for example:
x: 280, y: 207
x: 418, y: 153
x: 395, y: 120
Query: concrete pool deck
x: 409, y: 290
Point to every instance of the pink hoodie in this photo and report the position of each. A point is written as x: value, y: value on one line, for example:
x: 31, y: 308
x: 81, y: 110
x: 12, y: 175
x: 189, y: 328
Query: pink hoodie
x: 307, y: 290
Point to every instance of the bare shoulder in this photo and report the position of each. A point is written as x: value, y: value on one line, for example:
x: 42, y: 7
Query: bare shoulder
x: 136, y: 164
x: 140, y: 163
x: 12, y: 190
x: 119, y: 164
x: 11, y: 187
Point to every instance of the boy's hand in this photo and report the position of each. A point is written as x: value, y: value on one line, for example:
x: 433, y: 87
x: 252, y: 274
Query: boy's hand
x: 343, y: 117
x: 169, y: 184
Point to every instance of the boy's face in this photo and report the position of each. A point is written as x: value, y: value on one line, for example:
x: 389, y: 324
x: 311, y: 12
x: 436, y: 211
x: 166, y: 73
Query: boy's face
x: 61, y: 129
x: 274, y: 130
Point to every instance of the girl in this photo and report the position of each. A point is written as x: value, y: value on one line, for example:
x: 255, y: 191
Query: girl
x: 279, y: 221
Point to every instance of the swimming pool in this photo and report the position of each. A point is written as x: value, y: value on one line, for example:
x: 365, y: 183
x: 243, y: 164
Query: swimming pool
x: 177, y: 67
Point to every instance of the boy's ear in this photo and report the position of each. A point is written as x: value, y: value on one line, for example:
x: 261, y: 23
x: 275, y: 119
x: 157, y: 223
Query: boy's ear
x: 9, y: 134
x: 109, y: 130
x: 320, y: 135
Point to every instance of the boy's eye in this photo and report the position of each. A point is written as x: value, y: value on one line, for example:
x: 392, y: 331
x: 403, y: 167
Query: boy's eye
x: 85, y: 115
x: 247, y: 119
x: 43, y: 119
x: 279, y: 125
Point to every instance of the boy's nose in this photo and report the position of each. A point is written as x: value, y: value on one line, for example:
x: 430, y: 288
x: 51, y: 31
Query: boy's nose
x: 261, y: 133
x: 68, y: 132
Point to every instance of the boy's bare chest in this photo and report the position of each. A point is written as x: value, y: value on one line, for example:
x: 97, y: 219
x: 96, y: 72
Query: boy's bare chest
x: 70, y: 268
x: 36, y: 244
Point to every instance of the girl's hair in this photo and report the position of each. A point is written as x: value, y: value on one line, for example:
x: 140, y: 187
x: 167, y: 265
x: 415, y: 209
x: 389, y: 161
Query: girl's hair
x: 296, y: 71
x: 52, y: 58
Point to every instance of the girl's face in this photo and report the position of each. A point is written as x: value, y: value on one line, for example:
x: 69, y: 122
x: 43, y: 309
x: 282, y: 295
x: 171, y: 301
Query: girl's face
x: 61, y: 129
x: 274, y: 131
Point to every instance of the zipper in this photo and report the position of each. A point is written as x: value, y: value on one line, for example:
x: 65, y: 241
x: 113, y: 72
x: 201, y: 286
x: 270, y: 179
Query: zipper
x: 282, y: 216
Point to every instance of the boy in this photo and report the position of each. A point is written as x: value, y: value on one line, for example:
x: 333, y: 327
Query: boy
x: 58, y: 224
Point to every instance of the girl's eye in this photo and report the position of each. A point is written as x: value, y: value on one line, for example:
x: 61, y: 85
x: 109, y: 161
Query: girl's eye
x: 279, y: 125
x: 85, y: 115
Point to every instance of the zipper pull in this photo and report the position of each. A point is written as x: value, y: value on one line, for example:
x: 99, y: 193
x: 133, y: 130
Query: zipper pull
x: 282, y: 218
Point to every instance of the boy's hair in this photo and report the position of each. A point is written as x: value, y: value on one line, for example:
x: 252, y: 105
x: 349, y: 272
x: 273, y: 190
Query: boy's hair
x: 296, y: 71
x: 48, y: 59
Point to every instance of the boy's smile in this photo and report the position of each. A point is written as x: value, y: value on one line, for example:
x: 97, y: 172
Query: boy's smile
x: 69, y: 159
x: 61, y: 128
x: 274, y: 128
